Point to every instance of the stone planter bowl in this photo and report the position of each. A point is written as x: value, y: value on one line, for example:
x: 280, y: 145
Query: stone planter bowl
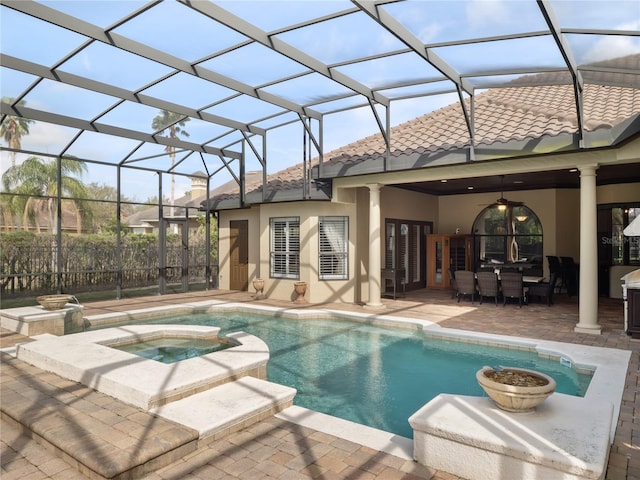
x: 53, y: 302
x: 516, y: 398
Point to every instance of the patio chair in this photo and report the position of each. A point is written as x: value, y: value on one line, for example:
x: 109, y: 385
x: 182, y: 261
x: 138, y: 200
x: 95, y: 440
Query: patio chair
x: 555, y: 267
x: 512, y: 287
x: 466, y: 284
x: 569, y: 271
x: 488, y: 285
x: 452, y: 282
x: 510, y: 269
x: 543, y: 289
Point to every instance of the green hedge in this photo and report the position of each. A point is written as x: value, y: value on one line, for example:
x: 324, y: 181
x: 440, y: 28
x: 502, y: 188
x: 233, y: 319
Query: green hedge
x: 28, y: 262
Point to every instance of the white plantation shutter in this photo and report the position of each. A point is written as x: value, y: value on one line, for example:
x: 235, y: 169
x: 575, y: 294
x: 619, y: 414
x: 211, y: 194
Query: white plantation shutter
x: 416, y: 250
x: 333, y: 249
x: 285, y: 247
x: 390, y: 246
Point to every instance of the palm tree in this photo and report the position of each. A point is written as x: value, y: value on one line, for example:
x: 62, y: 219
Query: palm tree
x: 37, y: 189
x: 174, y: 123
x: 13, y: 129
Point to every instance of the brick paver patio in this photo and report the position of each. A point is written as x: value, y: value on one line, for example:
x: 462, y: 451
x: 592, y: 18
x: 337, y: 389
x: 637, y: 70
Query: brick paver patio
x: 278, y: 449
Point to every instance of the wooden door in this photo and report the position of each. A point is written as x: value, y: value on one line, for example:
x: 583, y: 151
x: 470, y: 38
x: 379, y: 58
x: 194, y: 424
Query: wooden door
x: 239, y: 254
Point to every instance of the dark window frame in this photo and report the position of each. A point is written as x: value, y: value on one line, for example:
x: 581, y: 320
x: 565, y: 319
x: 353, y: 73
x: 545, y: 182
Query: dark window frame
x: 614, y: 247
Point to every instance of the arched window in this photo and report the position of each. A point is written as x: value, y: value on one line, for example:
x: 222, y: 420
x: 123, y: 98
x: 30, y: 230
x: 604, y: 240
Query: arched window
x: 508, y: 234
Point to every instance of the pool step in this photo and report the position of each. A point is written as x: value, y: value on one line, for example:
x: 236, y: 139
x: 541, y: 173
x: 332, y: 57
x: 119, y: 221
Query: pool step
x: 85, y: 427
x: 228, y: 407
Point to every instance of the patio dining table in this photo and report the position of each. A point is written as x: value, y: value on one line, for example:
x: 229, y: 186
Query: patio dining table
x: 532, y: 279
x: 525, y: 278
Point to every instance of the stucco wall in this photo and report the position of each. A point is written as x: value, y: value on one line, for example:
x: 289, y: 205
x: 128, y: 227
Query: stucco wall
x: 557, y: 209
x: 567, y: 227
x: 259, y: 244
x: 620, y: 193
x: 309, y: 213
x: 404, y: 204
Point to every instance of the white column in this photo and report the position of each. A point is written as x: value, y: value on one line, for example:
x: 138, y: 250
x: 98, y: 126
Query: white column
x: 588, y: 295
x: 374, y: 246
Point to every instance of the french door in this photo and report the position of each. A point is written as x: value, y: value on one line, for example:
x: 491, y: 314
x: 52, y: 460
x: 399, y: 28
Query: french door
x: 405, y: 248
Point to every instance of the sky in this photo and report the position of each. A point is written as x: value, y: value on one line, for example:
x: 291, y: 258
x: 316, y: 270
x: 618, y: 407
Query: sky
x: 177, y: 30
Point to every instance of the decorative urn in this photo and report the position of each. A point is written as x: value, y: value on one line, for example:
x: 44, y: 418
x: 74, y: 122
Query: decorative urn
x: 300, y: 289
x: 515, y: 389
x: 258, y: 284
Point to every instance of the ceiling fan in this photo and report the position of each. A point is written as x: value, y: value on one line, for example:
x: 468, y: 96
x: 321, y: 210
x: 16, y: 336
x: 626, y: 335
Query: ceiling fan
x: 503, y: 202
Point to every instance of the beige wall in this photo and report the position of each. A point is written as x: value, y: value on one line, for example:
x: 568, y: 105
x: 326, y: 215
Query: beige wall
x: 259, y: 244
x: 557, y: 209
x: 309, y: 213
x: 621, y: 193
x: 404, y: 204
x: 252, y: 215
x: 566, y: 241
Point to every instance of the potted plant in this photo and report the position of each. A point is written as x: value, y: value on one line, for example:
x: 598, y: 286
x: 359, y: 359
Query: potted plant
x: 515, y: 389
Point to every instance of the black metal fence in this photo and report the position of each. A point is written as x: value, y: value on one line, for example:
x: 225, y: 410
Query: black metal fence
x: 29, y: 263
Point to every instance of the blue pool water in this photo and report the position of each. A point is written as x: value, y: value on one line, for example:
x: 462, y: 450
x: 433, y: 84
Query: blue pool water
x: 372, y: 375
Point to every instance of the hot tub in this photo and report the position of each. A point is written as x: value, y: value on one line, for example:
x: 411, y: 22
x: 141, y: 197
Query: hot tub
x: 170, y: 349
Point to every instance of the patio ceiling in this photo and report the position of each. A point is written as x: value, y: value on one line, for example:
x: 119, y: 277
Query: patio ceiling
x: 567, y: 178
x: 100, y: 71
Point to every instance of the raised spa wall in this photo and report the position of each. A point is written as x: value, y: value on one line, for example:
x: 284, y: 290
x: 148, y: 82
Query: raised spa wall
x: 88, y: 358
x: 35, y: 320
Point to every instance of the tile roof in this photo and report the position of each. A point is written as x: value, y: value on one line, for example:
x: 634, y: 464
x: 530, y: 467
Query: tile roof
x: 501, y: 115
x: 290, y: 178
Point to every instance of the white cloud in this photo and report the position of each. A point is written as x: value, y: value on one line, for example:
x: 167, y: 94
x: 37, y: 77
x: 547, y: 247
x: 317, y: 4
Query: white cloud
x: 482, y: 13
x: 613, y: 47
x: 86, y: 61
x: 430, y: 32
x: 182, y: 186
x: 46, y: 137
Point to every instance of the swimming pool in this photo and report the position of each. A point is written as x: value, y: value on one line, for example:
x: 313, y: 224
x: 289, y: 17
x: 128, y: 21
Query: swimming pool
x: 369, y: 374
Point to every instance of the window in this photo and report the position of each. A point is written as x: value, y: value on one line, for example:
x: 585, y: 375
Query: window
x: 615, y: 248
x: 333, y: 249
x: 508, y: 234
x: 285, y: 247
